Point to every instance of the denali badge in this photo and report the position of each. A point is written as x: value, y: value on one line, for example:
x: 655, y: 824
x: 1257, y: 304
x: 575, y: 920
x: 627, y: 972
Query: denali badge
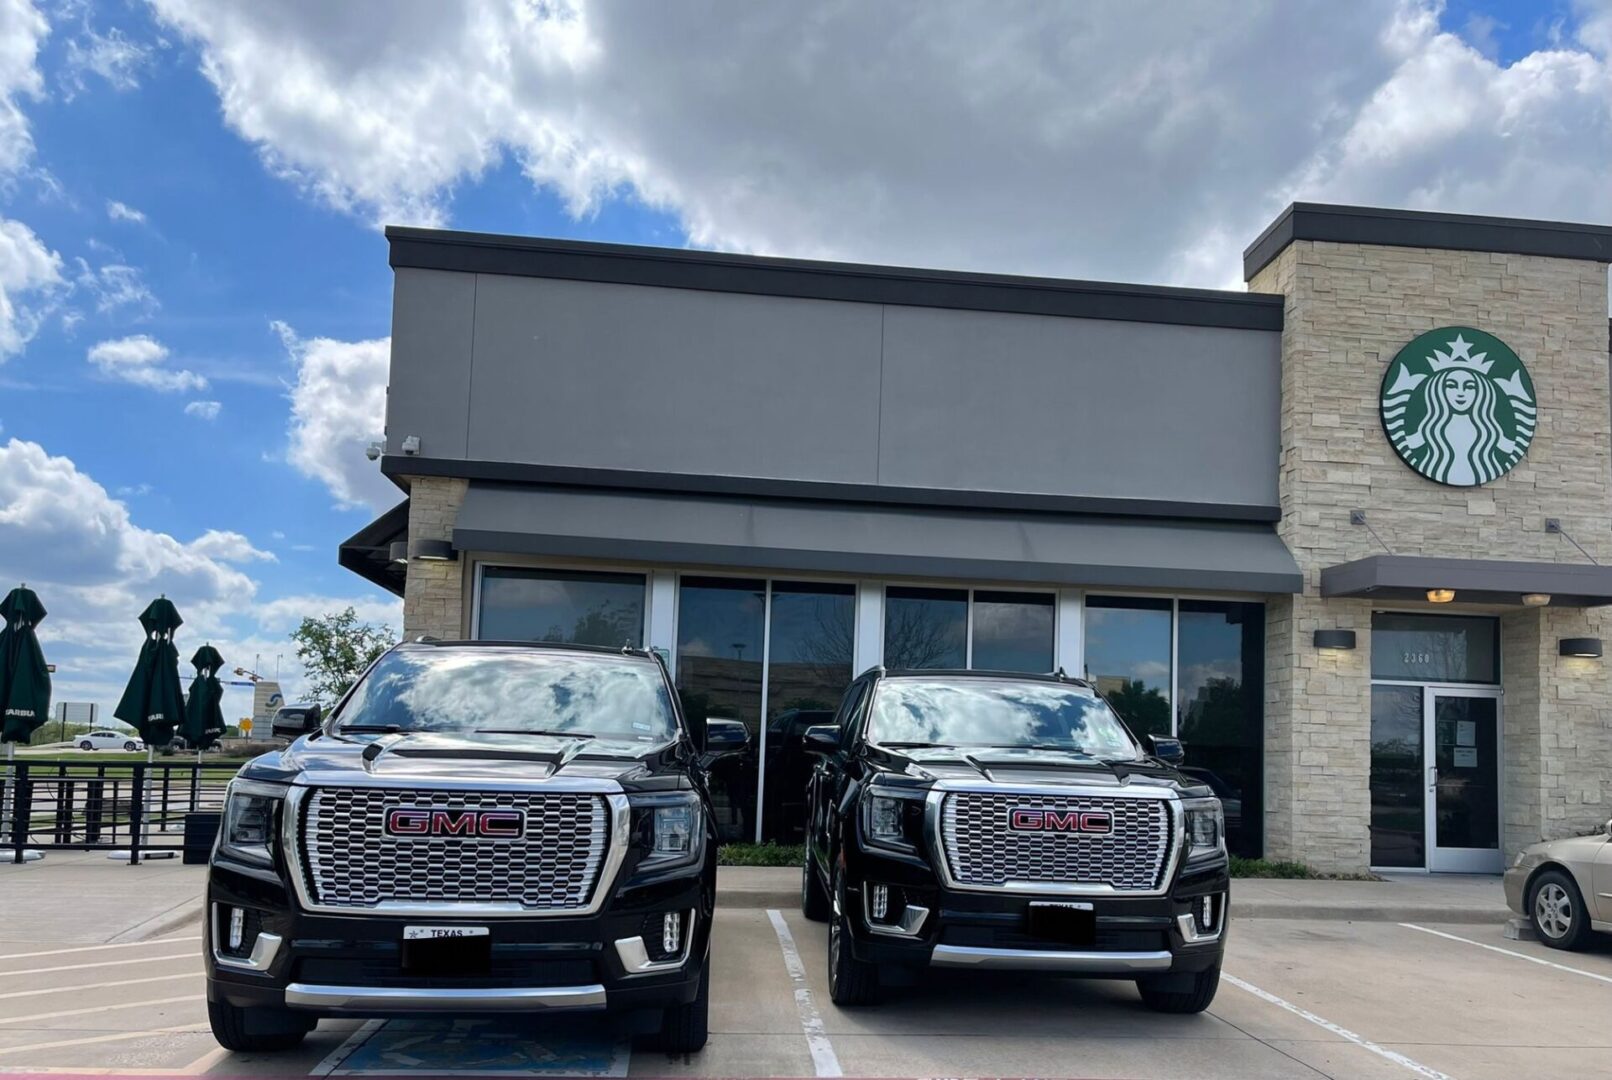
x: 455, y: 821
x: 1029, y: 819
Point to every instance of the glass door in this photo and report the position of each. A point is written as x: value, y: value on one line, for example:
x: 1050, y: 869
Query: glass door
x: 1461, y: 729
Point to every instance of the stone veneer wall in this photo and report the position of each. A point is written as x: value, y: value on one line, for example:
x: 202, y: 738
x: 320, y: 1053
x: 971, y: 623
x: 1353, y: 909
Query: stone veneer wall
x: 435, y: 600
x: 1350, y: 308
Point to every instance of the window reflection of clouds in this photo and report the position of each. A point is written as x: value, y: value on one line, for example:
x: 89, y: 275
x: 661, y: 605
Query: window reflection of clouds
x: 447, y: 690
x: 995, y: 713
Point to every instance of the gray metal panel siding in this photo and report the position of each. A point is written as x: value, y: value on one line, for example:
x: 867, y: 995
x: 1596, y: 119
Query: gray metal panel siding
x: 629, y: 377
x: 429, y: 390
x: 984, y: 401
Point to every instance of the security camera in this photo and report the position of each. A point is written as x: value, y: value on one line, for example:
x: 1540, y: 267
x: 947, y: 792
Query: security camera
x: 373, y: 451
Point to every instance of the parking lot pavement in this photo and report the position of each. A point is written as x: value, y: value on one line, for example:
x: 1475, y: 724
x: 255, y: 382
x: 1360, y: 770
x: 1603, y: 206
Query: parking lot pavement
x: 1304, y: 998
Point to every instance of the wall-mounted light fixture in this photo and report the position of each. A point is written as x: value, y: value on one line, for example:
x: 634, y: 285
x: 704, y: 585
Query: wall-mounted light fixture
x: 1535, y: 599
x: 1440, y: 596
x: 1588, y: 648
x: 1334, y: 639
x: 398, y: 552
x: 432, y: 551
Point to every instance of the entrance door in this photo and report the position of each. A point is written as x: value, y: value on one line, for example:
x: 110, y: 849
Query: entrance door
x: 1461, y: 732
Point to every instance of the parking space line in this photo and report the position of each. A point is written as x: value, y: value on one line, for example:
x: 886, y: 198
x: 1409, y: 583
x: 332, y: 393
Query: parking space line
x: 824, y: 1061
x: 100, y: 985
x: 114, y: 1037
x: 1508, y: 952
x: 104, y: 963
x: 332, y: 1061
x: 144, y: 1004
x: 98, y: 948
x: 1342, y: 1032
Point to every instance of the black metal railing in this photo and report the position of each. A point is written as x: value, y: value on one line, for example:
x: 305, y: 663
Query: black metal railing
x: 137, y: 806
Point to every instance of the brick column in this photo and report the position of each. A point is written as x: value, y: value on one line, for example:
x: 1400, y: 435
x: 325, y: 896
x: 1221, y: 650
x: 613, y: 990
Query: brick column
x: 434, y: 597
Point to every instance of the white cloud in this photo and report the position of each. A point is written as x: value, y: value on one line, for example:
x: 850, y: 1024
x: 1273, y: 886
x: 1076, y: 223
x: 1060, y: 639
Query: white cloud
x: 206, y: 410
x: 229, y: 547
x: 22, y: 29
x: 1143, y: 141
x: 277, y: 535
x: 30, y: 275
x: 116, y: 286
x: 134, y: 489
x: 121, y: 211
x: 113, y: 56
x: 139, y: 359
x: 338, y: 408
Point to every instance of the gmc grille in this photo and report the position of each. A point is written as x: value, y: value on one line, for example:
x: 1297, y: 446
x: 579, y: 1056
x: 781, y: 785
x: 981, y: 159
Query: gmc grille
x: 982, y: 851
x: 351, y: 861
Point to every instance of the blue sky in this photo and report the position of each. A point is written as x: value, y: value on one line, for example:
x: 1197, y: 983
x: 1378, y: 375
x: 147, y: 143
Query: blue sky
x: 256, y: 149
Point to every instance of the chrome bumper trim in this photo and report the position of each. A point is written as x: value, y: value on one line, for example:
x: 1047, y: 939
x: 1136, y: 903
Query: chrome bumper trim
x: 1099, y: 963
x: 363, y: 1000
x: 264, y: 950
x: 635, y: 959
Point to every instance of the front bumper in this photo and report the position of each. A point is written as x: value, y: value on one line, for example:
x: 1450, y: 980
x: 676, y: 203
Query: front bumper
x: 352, y: 965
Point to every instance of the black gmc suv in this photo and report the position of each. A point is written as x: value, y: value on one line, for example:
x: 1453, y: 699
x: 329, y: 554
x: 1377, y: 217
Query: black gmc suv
x: 477, y: 828
x: 974, y: 819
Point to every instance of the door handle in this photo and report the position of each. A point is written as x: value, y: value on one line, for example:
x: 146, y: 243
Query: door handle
x: 1432, y: 778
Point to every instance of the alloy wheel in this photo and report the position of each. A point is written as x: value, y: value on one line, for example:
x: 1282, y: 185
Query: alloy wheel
x: 1553, y: 910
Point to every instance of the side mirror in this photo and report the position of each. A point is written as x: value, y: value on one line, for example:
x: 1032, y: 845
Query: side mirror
x: 696, y: 732
x: 822, y: 739
x: 1168, y: 750
x: 1607, y: 828
x: 314, y: 718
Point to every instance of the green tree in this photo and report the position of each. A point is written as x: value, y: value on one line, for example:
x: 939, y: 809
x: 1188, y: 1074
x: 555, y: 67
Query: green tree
x: 335, y: 649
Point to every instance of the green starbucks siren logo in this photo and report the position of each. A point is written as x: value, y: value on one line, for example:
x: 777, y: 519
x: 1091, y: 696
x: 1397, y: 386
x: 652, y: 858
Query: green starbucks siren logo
x: 1459, y: 406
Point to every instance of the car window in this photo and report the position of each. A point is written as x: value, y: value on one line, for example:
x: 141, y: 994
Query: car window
x: 850, y: 704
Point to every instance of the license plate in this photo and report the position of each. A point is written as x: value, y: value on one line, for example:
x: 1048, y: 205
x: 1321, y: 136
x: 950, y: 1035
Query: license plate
x: 1067, y: 923
x: 430, y: 933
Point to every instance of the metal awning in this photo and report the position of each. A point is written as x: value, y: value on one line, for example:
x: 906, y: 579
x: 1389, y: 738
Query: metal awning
x: 367, y: 552
x: 874, y: 540
x: 1478, y: 581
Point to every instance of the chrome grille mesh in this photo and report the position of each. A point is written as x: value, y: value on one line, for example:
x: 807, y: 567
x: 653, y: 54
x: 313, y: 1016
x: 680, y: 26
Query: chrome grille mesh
x: 982, y: 850
x: 352, y: 862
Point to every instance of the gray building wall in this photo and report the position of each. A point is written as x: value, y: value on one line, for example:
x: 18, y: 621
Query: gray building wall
x: 487, y: 367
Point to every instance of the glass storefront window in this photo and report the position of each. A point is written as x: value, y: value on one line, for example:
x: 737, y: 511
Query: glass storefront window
x: 720, y: 623
x: 1398, y: 783
x: 575, y: 606
x: 1434, y: 648
x: 1220, y: 649
x: 1128, y: 658
x: 925, y: 628
x: 1013, y: 631
x: 808, y: 669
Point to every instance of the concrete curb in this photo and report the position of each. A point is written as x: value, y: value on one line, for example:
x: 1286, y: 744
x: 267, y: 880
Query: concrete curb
x: 175, y: 918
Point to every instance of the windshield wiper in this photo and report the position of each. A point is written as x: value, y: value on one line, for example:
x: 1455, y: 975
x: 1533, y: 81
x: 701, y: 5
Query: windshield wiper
x: 534, y: 731
x: 913, y: 745
x: 383, y: 729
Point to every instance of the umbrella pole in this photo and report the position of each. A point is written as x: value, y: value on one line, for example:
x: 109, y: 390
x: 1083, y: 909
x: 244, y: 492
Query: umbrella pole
x: 8, y: 808
x: 144, y: 795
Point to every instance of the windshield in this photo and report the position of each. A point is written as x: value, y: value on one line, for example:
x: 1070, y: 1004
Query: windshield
x: 997, y: 712
x: 515, y: 691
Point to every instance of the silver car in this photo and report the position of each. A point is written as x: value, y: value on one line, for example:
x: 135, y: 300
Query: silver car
x: 1564, y: 888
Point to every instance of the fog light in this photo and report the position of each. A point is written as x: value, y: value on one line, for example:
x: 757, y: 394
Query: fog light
x: 237, y: 928
x: 881, y: 902
x: 671, y: 933
x: 1208, y: 912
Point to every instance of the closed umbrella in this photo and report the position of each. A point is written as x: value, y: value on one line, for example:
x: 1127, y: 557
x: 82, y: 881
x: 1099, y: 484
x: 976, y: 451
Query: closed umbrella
x: 153, y: 703
x: 24, y: 688
x: 204, y: 714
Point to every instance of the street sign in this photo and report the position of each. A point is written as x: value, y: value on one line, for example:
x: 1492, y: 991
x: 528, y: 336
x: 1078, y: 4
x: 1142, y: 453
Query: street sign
x: 246, y: 727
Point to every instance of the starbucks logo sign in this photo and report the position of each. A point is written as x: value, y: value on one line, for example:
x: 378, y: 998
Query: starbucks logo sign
x: 1458, y: 406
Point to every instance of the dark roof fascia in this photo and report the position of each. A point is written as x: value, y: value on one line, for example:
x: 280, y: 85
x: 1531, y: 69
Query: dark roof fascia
x: 625, y: 264
x: 399, y: 466
x: 1426, y: 229
x: 367, y: 552
x: 1408, y: 577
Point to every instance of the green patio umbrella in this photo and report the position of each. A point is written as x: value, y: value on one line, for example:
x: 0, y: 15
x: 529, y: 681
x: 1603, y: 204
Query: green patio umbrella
x: 204, y: 716
x: 24, y: 679
x: 152, y: 703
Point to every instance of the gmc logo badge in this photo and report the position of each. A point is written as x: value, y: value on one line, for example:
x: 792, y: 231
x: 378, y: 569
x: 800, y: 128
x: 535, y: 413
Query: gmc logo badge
x: 456, y: 821
x: 1027, y: 819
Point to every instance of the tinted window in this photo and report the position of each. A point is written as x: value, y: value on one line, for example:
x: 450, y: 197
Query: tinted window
x: 572, y: 606
x: 1434, y: 648
x: 1128, y: 658
x: 996, y: 712
x: 1013, y: 631
x: 477, y: 689
x: 1220, y: 709
x: 925, y: 628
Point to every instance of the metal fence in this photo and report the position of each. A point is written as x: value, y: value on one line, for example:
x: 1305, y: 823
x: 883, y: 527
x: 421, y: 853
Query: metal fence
x: 139, y: 807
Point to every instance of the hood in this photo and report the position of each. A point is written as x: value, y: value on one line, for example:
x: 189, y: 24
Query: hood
x: 1017, y: 766
x: 425, y: 758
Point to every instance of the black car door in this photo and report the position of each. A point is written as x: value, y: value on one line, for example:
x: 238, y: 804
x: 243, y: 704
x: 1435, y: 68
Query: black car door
x: 828, y: 777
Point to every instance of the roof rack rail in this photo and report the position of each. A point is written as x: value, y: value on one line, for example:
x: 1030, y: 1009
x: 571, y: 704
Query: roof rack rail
x: 421, y: 638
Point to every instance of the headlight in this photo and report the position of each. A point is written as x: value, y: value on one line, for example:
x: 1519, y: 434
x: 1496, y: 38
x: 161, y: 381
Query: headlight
x: 671, y: 828
x: 1206, y: 828
x: 892, y: 819
x: 251, y: 814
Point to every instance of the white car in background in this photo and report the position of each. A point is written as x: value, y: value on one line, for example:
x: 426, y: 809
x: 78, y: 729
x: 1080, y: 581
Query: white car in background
x: 110, y: 740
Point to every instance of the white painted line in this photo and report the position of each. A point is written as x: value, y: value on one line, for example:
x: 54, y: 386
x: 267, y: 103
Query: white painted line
x: 143, y: 1004
x: 115, y: 1037
x: 1509, y: 952
x: 824, y: 1060
x: 98, y: 948
x: 1343, y: 1033
x: 101, y: 985
x: 105, y: 963
x: 206, y: 1061
x: 332, y: 1061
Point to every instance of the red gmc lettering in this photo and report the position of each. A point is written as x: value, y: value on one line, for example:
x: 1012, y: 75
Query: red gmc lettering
x: 460, y: 821
x: 1025, y: 819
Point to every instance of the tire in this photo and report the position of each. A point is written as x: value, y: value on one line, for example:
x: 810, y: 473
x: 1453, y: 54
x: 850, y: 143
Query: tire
x: 1556, y: 910
x: 229, y: 1028
x: 130, y: 747
x: 851, y: 982
x: 1204, y: 985
x: 684, y: 1028
x: 814, y: 903
x: 86, y: 745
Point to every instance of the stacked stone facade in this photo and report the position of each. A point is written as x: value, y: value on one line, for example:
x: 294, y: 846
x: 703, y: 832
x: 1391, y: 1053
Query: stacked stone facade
x: 435, y: 592
x: 1350, y: 308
